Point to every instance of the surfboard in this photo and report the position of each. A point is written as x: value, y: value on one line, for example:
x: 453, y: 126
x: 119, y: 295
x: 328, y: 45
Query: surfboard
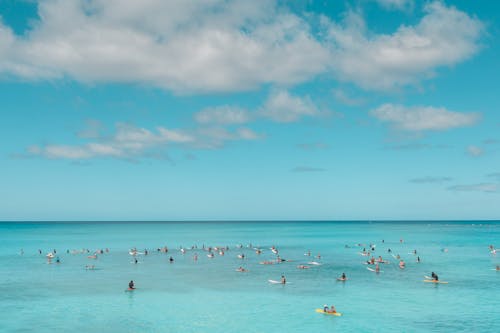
x: 371, y: 269
x: 434, y: 281
x: 277, y: 282
x: 314, y: 263
x: 337, y: 314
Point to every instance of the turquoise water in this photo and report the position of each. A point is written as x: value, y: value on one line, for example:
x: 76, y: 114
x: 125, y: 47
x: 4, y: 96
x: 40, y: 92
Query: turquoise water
x: 208, y: 295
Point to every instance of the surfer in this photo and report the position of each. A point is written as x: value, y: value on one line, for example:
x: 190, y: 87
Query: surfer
x: 497, y: 268
x: 283, y: 279
x: 434, y: 276
x: 377, y: 268
x: 402, y: 264
x: 330, y: 309
x: 343, y: 277
x: 171, y: 259
x: 131, y: 285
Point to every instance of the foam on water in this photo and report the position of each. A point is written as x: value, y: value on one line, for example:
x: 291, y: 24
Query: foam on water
x: 209, y: 295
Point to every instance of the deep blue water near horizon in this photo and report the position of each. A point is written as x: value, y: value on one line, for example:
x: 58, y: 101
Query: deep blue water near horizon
x: 209, y: 295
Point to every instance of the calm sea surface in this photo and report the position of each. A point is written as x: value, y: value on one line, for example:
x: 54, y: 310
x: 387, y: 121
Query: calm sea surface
x: 208, y: 295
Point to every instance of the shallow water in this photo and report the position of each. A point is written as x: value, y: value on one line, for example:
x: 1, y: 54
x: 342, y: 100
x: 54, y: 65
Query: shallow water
x: 209, y: 295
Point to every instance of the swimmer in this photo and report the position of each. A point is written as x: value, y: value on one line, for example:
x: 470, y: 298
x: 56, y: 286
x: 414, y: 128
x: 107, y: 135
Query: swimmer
x: 171, y: 259
x: 377, y: 268
x: 343, y: 277
x: 418, y: 259
x: 402, y: 264
x: 241, y: 269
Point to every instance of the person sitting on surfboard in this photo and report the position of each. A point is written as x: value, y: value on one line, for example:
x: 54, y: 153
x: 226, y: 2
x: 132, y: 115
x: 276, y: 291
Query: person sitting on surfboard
x: 131, y: 285
x: 343, y: 277
x: 434, y: 276
x: 329, y: 310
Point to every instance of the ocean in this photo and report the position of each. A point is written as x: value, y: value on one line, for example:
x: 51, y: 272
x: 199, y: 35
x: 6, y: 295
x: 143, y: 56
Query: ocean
x: 209, y: 295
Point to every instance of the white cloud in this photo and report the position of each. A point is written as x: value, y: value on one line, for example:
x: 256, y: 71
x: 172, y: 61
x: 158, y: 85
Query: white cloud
x: 474, y: 151
x: 483, y: 187
x: 219, y: 45
x: 283, y: 107
x: 444, y: 36
x: 223, y: 115
x: 422, y: 118
x: 397, y: 4
x: 131, y: 142
x: 182, y: 46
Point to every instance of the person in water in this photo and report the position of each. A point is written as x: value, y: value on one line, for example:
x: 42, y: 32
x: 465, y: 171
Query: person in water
x: 343, y: 277
x: 434, y: 276
x: 498, y: 268
x: 330, y: 309
x: 131, y: 285
x: 283, y: 279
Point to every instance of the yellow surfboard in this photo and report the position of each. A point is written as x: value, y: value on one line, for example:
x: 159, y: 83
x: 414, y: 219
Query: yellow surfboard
x: 338, y: 314
x: 434, y: 281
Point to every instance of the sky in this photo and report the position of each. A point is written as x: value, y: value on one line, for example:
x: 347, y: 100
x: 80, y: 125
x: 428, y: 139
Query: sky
x: 249, y: 110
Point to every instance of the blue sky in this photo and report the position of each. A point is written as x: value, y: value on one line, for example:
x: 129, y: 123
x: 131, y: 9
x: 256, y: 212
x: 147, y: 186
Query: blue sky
x: 243, y: 110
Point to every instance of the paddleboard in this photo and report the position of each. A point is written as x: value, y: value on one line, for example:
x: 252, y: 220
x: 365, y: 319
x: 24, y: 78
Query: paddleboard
x: 371, y: 269
x: 434, y: 281
x: 338, y: 314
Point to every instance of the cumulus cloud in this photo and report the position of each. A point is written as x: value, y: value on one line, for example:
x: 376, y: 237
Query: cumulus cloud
x: 130, y: 141
x: 224, y: 115
x: 422, y: 118
x: 285, y: 108
x: 444, y: 36
x: 397, y: 4
x: 221, y: 46
x: 474, y: 151
x: 182, y: 46
x: 430, y: 180
x: 482, y: 187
